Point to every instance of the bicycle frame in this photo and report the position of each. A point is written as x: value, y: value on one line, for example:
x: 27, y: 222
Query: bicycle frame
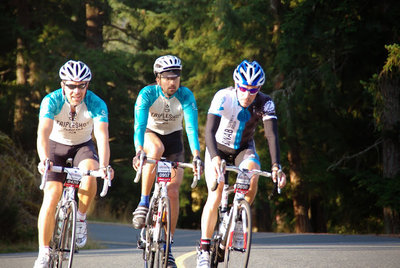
x: 150, y: 236
x: 228, y: 218
x: 63, y: 239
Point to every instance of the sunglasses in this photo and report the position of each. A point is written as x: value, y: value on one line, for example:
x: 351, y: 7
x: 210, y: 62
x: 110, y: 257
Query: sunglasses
x: 251, y: 90
x: 73, y: 86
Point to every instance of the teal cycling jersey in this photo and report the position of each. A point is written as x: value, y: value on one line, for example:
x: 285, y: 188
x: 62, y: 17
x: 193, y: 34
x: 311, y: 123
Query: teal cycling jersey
x: 164, y: 115
x: 68, y: 128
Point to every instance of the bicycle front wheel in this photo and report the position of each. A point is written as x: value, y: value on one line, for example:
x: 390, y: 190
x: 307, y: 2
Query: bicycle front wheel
x: 238, y: 243
x: 162, y: 235
x: 63, y: 241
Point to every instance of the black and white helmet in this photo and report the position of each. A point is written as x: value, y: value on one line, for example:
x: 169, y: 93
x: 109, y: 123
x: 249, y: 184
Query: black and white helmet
x: 167, y: 63
x: 75, y: 71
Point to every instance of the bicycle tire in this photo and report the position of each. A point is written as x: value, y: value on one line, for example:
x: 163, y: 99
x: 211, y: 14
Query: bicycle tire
x: 55, y: 239
x: 148, y: 253
x: 164, y: 238
x: 238, y: 255
x: 68, y: 236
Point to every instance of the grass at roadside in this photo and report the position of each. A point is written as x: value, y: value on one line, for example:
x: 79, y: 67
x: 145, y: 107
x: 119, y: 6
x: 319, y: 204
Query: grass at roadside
x: 26, y: 246
x: 33, y: 246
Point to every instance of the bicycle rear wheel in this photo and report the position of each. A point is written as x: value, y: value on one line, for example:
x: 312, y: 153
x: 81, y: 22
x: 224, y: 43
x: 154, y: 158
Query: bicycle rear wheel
x: 63, y: 241
x: 238, y: 244
x: 162, y: 236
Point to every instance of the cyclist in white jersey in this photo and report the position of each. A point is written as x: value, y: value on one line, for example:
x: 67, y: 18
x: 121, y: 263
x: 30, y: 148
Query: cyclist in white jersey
x: 231, y: 123
x: 159, y: 112
x: 67, y: 118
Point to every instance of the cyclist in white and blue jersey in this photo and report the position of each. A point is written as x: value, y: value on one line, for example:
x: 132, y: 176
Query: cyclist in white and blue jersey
x: 67, y: 118
x: 231, y: 123
x: 159, y: 112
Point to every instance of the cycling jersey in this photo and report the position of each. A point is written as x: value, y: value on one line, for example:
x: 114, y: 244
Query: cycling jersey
x: 231, y: 127
x: 68, y: 128
x: 164, y: 115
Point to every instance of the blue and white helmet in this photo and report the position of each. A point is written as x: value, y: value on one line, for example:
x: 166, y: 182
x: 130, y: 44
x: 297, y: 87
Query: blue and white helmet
x: 167, y: 63
x: 249, y: 74
x: 75, y: 71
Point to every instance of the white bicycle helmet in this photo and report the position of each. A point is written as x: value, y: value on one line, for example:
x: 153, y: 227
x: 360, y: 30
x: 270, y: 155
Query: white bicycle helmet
x: 249, y: 74
x: 167, y: 63
x: 75, y: 71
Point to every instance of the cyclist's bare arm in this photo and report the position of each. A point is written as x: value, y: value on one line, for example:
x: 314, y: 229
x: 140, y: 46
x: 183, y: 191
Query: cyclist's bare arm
x: 103, y: 146
x: 44, y: 129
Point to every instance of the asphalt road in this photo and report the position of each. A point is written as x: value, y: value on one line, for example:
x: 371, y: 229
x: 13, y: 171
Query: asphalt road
x: 268, y: 250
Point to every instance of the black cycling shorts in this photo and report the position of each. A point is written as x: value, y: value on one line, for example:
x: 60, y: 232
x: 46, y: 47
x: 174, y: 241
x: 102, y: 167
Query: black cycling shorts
x: 173, y: 144
x: 59, y: 153
x: 247, y: 152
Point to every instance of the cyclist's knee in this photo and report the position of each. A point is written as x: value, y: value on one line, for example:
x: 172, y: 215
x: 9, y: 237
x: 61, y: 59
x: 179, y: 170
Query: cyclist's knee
x: 173, y: 193
x: 213, y: 200
x: 154, y: 150
x: 89, y: 164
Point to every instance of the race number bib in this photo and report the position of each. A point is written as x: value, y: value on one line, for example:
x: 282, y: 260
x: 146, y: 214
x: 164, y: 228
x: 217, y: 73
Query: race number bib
x: 242, y: 184
x: 73, y: 178
x: 164, y: 172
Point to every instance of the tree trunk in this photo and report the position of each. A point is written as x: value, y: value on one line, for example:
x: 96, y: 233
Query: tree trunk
x: 94, y: 26
x: 22, y: 14
x: 300, y: 202
x: 391, y: 145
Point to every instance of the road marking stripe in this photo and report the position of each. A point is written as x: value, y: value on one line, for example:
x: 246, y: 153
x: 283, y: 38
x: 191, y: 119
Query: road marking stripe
x: 179, y: 260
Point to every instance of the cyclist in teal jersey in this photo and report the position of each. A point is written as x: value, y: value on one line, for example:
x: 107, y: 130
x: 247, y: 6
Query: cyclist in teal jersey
x: 67, y: 118
x: 231, y: 123
x: 159, y: 112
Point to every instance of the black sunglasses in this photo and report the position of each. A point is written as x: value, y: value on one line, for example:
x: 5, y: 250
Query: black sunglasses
x: 73, y: 86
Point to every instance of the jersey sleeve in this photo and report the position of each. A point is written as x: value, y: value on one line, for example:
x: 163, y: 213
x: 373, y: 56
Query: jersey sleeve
x: 97, y: 108
x: 217, y: 103
x: 210, y: 132
x: 268, y: 110
x: 271, y: 134
x: 141, y: 114
x: 190, y: 114
x: 51, y: 104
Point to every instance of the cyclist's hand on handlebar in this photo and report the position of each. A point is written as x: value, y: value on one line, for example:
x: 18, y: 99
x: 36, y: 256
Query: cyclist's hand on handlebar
x: 42, y: 165
x: 277, y: 173
x: 136, y: 159
x: 216, y: 163
x: 111, y: 171
x: 197, y: 159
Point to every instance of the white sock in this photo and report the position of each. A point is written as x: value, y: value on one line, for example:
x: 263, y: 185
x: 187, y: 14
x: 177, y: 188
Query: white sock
x: 80, y: 216
x: 44, y: 250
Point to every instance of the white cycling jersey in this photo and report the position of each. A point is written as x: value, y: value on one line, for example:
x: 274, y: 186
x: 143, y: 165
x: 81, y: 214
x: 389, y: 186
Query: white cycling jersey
x: 68, y: 128
x: 238, y: 124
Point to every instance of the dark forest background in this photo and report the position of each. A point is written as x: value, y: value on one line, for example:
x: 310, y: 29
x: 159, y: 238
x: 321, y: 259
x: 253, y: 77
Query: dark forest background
x: 333, y: 70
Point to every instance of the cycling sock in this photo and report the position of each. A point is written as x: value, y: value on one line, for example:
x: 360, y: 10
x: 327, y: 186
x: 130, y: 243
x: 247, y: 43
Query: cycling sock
x: 44, y: 250
x: 205, y: 244
x: 80, y: 216
x: 144, y: 201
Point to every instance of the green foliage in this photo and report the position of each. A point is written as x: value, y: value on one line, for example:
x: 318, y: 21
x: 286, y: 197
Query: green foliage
x: 19, y: 189
x: 392, y: 65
